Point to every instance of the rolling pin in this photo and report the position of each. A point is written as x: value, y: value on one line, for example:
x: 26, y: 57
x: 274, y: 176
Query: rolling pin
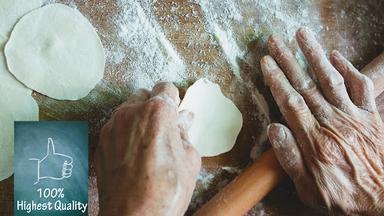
x: 261, y: 177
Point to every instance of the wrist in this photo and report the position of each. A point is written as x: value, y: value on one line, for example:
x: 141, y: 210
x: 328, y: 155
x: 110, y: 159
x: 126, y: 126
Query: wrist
x: 121, y: 206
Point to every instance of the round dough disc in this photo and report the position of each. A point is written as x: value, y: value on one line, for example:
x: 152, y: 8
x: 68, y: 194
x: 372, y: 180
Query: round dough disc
x: 217, y: 121
x: 16, y: 105
x: 55, y: 51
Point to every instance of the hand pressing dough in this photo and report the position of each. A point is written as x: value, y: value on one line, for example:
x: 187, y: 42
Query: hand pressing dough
x: 15, y: 105
x: 56, y: 51
x: 217, y: 121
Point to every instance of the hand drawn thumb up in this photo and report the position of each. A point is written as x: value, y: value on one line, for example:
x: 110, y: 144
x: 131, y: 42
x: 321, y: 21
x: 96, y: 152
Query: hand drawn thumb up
x: 54, y: 165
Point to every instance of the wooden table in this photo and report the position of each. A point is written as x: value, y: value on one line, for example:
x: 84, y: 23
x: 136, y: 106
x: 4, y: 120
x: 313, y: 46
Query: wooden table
x: 359, y: 34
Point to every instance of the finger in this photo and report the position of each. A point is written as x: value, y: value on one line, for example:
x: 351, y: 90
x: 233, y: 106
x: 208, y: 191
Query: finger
x: 136, y: 98
x: 185, y: 121
x: 360, y: 87
x: 67, y: 172
x: 139, y: 96
x: 299, y: 79
x: 286, y: 150
x: 50, y: 146
x: 166, y: 91
x: 195, y: 158
x: 290, y: 103
x: 68, y: 166
x: 290, y: 158
x: 331, y: 82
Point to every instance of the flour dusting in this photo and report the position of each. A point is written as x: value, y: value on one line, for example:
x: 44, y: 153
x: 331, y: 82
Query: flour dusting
x: 149, y: 55
x: 147, y: 41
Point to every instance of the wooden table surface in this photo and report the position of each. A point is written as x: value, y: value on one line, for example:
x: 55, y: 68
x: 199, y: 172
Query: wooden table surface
x: 353, y: 27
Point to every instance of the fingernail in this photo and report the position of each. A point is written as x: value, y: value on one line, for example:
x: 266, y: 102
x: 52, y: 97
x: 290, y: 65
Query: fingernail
x: 336, y: 54
x: 276, y: 40
x: 277, y: 136
x: 186, y: 115
x: 269, y: 64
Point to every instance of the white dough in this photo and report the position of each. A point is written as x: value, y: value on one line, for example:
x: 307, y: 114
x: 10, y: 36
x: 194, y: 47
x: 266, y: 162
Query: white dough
x: 15, y: 105
x: 55, y: 51
x: 7, y: 79
x: 217, y: 121
x: 11, y: 11
x: 16, y: 102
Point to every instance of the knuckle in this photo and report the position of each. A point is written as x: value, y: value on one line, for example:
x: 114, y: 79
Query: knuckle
x: 159, y: 107
x: 165, y: 87
x: 366, y: 82
x: 156, y: 104
x: 304, y: 84
x: 334, y: 80
x: 295, y: 102
x: 121, y: 113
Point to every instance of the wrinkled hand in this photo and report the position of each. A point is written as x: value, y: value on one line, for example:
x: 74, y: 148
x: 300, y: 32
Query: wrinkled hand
x: 335, y: 151
x: 144, y: 162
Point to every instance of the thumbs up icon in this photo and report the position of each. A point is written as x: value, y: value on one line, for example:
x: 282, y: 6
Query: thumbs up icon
x: 53, y: 165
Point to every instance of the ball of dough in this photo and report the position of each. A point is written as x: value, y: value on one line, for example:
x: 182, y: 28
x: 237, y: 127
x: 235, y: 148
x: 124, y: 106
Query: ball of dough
x: 16, y: 105
x: 217, y: 121
x: 55, y: 51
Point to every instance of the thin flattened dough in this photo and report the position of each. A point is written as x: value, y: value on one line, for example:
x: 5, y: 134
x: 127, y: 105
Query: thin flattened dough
x: 7, y: 79
x: 217, y: 121
x: 11, y: 11
x: 55, y: 51
x: 16, y: 105
x: 16, y: 102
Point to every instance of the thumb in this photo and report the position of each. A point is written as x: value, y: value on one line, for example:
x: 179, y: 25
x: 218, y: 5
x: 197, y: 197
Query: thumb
x: 50, y: 146
x: 286, y: 150
x: 185, y: 121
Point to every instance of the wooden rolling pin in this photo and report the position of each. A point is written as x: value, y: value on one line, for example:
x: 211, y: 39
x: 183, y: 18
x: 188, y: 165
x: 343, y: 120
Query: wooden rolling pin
x: 256, y: 181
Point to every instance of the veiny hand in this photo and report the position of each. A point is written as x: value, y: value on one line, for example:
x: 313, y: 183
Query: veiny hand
x: 144, y: 162
x: 335, y: 151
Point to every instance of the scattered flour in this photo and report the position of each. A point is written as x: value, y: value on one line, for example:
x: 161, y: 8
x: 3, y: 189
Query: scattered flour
x: 205, y: 178
x: 236, y: 23
x: 219, y: 16
x: 141, y: 50
x: 148, y: 55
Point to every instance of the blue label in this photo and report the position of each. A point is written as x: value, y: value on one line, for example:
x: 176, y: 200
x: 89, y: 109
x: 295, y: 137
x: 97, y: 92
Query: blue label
x: 51, y: 168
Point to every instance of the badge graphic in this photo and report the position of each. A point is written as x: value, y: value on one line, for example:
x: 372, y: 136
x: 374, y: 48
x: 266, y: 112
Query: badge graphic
x: 51, y: 168
x: 45, y: 166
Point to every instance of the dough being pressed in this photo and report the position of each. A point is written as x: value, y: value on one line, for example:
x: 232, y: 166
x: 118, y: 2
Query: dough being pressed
x: 56, y: 51
x: 15, y: 105
x: 217, y: 121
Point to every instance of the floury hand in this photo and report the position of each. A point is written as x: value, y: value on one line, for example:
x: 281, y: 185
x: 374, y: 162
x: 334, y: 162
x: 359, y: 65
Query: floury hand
x: 53, y: 165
